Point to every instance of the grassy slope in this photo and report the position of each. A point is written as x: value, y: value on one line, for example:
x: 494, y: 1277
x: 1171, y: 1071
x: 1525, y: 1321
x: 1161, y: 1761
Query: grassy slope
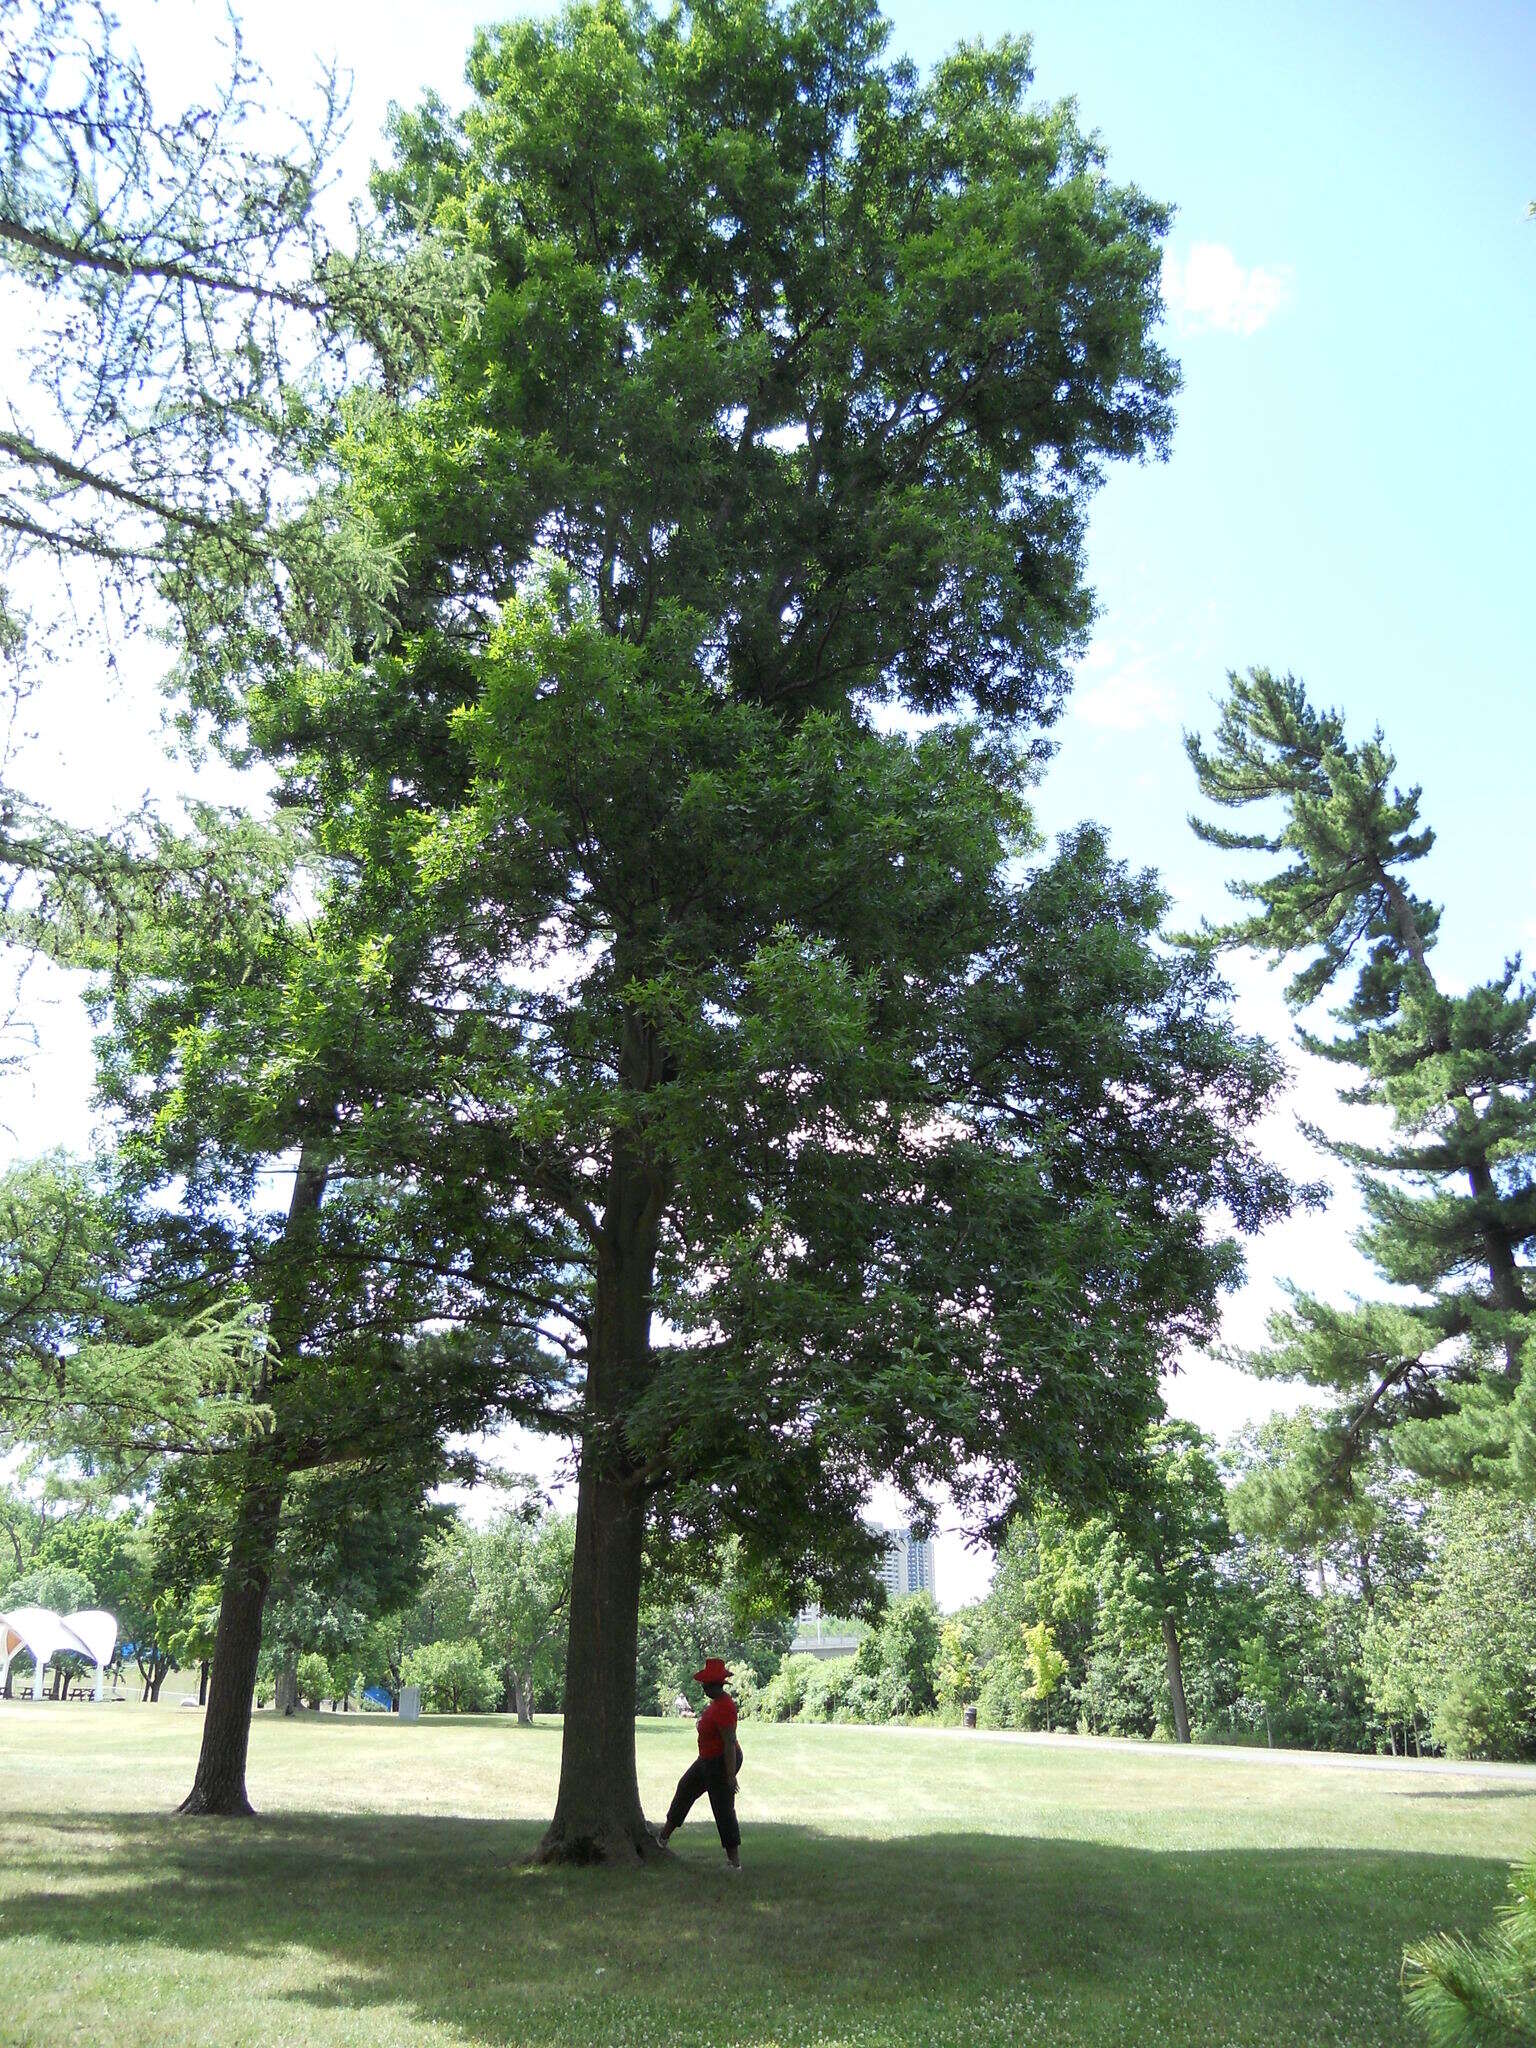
x: 901, y: 1889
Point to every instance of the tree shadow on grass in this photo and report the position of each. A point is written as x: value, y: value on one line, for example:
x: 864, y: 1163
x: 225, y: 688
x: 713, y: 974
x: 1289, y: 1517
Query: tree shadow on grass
x: 315, y: 1922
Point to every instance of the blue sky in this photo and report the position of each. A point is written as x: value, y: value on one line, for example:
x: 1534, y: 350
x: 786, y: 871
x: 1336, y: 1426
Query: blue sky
x: 1352, y: 289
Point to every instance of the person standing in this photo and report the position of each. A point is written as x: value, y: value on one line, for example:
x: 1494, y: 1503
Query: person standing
x: 714, y: 1769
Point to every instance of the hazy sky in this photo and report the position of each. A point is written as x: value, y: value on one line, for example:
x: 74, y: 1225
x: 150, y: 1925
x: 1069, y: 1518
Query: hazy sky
x: 1352, y: 293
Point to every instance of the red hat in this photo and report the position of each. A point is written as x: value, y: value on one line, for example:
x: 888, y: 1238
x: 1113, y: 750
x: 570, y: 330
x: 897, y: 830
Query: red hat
x: 714, y: 1673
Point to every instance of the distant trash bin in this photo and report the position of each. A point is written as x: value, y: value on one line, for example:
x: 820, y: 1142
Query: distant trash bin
x: 410, y: 1702
x: 969, y: 1717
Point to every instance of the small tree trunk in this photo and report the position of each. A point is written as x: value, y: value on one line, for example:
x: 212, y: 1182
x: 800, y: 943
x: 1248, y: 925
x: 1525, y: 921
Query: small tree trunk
x: 525, y: 1700
x: 285, y: 1686
x: 1175, y: 1679
x: 202, y: 1683
x: 157, y: 1670
x: 219, y: 1786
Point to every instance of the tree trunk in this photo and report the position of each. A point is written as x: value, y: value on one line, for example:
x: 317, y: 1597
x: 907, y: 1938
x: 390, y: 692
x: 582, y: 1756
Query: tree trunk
x: 219, y: 1786
x: 202, y: 1683
x: 285, y: 1686
x: 1175, y: 1679
x: 598, y: 1818
x: 157, y: 1670
x: 525, y: 1700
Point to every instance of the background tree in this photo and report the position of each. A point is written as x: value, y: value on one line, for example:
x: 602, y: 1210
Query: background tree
x: 727, y: 1613
x: 1452, y: 1198
x: 186, y: 1625
x: 793, y: 379
x: 1158, y: 1572
x: 454, y: 1677
x: 956, y: 1672
x: 901, y: 1656
x: 1047, y: 1666
x: 521, y: 1572
x: 1452, y: 1652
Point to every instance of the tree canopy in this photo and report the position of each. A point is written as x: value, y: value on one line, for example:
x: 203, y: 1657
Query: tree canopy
x: 664, y: 1017
x: 838, y: 1130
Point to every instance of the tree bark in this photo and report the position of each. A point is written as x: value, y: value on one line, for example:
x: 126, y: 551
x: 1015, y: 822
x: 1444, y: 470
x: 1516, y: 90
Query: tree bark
x: 1175, y: 1679
x: 525, y: 1700
x: 598, y: 1817
x: 202, y: 1683
x: 219, y: 1787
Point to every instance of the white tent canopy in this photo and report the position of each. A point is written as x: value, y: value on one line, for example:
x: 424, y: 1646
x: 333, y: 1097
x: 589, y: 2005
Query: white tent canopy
x: 92, y: 1633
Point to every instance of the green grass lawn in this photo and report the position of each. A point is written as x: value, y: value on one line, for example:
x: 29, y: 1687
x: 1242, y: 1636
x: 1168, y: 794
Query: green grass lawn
x: 902, y: 1888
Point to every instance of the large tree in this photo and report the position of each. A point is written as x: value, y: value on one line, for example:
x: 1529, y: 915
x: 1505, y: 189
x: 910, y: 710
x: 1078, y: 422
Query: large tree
x: 835, y: 1131
x: 1451, y: 1194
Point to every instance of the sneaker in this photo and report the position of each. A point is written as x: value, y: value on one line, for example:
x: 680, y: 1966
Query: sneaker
x: 733, y: 1860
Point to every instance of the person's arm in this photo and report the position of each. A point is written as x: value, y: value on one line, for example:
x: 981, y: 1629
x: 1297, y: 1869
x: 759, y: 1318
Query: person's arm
x: 728, y: 1756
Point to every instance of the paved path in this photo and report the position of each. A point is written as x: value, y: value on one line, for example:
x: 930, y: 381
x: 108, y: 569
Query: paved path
x: 1523, y: 1775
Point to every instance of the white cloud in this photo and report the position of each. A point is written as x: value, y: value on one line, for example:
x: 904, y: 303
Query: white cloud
x: 1210, y: 289
x: 1126, y: 703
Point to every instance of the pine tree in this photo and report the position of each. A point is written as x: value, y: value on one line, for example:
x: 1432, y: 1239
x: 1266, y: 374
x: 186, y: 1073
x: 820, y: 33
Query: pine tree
x: 1479, y: 1994
x: 1451, y: 1198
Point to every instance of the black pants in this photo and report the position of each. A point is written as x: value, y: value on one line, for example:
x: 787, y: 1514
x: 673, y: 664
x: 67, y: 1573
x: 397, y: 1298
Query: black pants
x: 707, y: 1774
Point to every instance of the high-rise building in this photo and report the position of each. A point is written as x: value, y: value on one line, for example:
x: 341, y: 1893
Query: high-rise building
x: 908, y: 1565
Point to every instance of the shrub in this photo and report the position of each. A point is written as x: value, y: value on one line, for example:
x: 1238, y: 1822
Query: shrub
x: 1003, y: 1699
x: 453, y: 1678
x: 861, y: 1699
x: 783, y: 1696
x: 1477, y: 1714
x: 314, y: 1678
x: 827, y: 1686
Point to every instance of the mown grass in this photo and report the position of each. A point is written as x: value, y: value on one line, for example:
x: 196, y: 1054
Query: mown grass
x: 902, y: 1890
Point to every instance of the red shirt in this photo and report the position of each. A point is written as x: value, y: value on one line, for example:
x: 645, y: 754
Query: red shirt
x: 716, y: 1722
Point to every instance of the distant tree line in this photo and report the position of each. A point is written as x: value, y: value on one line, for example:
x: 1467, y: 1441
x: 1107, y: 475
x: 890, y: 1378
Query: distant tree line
x: 1413, y: 1632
